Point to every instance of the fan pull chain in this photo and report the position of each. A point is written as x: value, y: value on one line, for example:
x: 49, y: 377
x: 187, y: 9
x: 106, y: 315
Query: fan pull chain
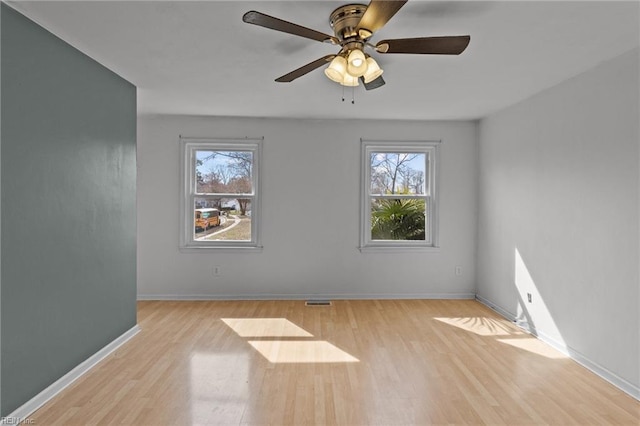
x: 353, y: 94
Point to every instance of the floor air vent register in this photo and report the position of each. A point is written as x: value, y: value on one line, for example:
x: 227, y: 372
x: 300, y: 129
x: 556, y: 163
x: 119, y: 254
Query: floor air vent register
x: 318, y: 303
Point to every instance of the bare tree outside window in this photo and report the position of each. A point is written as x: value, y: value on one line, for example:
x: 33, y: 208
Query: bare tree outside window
x: 397, y: 173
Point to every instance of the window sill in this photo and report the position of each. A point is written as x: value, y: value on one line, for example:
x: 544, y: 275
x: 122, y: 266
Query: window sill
x: 228, y: 249
x: 399, y: 249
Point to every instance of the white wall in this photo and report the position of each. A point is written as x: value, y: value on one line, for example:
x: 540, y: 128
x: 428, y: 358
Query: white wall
x: 310, y: 220
x: 559, y: 216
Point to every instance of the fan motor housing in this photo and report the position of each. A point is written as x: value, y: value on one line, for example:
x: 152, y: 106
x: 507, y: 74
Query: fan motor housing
x: 345, y: 19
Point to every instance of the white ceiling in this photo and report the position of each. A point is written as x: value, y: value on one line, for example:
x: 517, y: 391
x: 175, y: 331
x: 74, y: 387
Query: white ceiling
x: 199, y: 58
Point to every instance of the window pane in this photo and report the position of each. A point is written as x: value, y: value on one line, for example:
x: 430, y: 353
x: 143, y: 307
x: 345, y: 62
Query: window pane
x: 224, y: 172
x: 398, y: 173
x: 222, y: 219
x: 398, y: 219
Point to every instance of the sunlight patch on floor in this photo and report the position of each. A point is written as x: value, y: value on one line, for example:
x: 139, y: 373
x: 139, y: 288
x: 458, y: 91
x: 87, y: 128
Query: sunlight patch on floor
x: 535, y: 346
x: 286, y: 351
x: 302, y: 351
x: 481, y: 326
x: 265, y: 327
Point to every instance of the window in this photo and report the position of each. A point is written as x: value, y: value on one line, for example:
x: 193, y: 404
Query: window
x: 399, y: 203
x: 220, y: 204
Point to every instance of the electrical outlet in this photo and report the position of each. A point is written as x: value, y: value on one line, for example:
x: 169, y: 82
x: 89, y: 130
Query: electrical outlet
x: 458, y: 270
x: 529, y: 297
x: 217, y: 271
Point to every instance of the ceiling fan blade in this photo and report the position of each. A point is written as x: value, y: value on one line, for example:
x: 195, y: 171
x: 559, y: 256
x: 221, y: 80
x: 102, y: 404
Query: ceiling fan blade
x: 373, y: 84
x: 378, y: 14
x: 260, y: 19
x: 450, y: 45
x: 287, y: 78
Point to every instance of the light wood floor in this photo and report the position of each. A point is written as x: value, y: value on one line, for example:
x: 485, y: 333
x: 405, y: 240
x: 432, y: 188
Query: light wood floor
x: 397, y: 362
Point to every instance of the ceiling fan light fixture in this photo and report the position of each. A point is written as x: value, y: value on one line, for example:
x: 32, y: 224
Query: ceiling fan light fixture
x: 356, y: 63
x: 350, y: 80
x: 373, y: 70
x: 337, y: 69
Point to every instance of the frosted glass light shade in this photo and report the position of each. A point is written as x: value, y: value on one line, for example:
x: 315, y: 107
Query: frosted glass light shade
x: 337, y: 69
x: 356, y: 63
x: 350, y: 80
x: 373, y: 70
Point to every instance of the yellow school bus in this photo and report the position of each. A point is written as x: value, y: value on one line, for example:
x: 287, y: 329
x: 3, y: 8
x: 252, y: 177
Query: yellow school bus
x: 207, y: 218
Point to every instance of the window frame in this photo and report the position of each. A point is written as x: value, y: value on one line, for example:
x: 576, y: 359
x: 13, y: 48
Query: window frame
x: 431, y: 149
x: 188, y: 193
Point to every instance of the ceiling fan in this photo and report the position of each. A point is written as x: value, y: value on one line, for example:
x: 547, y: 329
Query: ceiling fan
x: 353, y: 26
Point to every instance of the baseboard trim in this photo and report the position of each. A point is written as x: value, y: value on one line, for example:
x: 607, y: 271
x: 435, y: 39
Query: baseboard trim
x: 609, y: 376
x: 604, y: 373
x: 266, y: 296
x: 29, y: 407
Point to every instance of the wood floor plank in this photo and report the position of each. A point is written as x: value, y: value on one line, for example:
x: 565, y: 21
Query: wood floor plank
x: 378, y: 362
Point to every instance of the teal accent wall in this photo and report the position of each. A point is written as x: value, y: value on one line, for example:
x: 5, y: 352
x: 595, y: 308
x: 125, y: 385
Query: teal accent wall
x: 68, y: 208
